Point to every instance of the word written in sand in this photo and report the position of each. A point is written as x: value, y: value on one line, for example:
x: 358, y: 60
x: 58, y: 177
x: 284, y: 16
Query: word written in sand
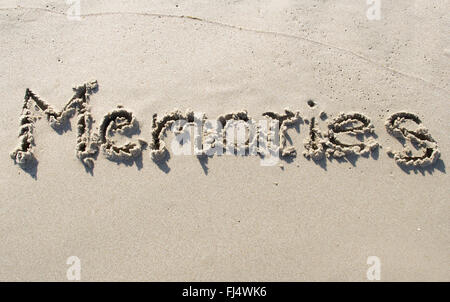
x: 233, y: 133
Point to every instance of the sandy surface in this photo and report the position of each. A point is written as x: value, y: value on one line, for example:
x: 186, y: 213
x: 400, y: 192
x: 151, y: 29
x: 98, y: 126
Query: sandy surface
x: 228, y: 218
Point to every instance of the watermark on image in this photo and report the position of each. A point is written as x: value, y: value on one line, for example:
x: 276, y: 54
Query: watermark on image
x: 373, y: 12
x: 74, y: 271
x: 74, y: 11
x: 374, y: 271
x: 233, y: 137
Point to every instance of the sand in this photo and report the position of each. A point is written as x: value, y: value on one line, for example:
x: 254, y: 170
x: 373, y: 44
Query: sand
x: 89, y: 120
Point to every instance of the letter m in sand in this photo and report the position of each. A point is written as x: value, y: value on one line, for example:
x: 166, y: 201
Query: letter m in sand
x: 86, y: 151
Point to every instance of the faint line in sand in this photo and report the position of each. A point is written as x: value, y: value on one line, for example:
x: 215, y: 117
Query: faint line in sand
x: 217, y: 23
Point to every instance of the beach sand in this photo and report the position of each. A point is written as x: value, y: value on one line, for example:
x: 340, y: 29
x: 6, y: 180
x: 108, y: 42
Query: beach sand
x: 225, y: 218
